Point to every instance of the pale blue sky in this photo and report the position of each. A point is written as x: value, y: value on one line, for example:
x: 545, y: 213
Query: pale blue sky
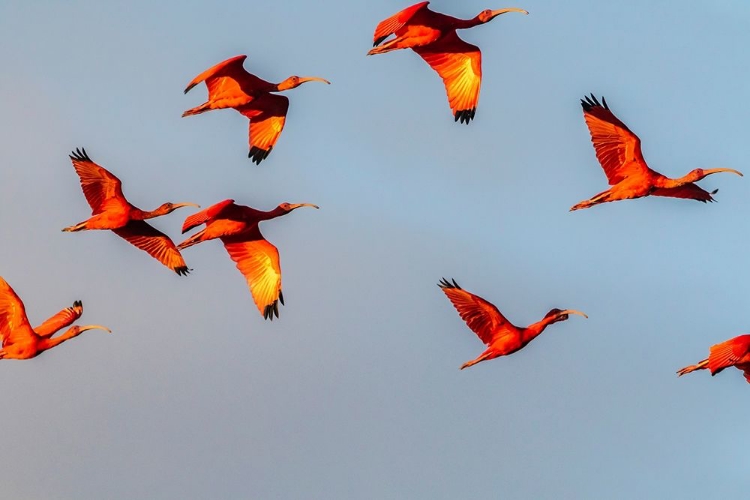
x: 355, y: 392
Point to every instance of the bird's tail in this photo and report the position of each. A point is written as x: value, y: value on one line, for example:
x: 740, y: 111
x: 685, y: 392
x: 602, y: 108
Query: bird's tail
x: 700, y: 366
x: 193, y: 240
x: 197, y: 110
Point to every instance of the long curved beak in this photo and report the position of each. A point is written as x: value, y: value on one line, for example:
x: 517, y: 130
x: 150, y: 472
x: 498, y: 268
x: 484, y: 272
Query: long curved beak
x: 717, y: 170
x: 304, y: 79
x: 180, y: 205
x: 572, y: 311
x: 95, y: 327
x: 496, y: 13
x: 297, y: 205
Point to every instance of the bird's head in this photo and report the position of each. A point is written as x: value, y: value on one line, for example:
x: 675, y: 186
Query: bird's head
x: 488, y: 15
x: 288, y: 207
x: 556, y: 315
x: 169, y: 207
x: 699, y: 173
x: 296, y: 81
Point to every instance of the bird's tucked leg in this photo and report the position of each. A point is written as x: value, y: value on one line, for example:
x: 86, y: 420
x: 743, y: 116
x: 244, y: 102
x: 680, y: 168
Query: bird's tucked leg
x: 206, y: 106
x: 78, y: 227
x: 402, y: 43
x: 2, y: 353
x: 602, y: 197
x: 193, y: 240
x: 700, y: 366
x: 488, y: 354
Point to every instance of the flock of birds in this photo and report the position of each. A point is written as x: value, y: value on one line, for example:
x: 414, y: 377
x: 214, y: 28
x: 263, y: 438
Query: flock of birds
x: 433, y: 37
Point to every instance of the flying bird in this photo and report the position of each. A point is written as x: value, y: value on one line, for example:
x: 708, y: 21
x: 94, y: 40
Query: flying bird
x: 733, y: 352
x: 619, y: 153
x: 433, y: 36
x: 499, y: 334
x: 111, y: 210
x: 256, y: 258
x: 20, y: 341
x: 231, y: 86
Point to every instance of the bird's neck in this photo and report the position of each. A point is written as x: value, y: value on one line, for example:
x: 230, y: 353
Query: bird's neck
x: 462, y: 24
x: 534, y: 330
x: 667, y: 183
x: 138, y: 214
x: 50, y: 342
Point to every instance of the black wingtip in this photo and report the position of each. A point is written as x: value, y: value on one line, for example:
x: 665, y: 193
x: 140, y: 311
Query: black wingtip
x: 281, y: 297
x: 465, y: 115
x: 79, y: 155
x: 182, y: 270
x: 77, y: 303
x: 379, y: 41
x: 188, y: 88
x: 444, y: 283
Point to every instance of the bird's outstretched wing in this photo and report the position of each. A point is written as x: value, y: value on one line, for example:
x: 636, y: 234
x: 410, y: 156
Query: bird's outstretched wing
x: 258, y: 261
x: 482, y: 318
x: 617, y: 148
x: 155, y: 243
x: 64, y: 318
x: 267, y: 116
x: 14, y: 325
x: 688, y: 191
x: 394, y: 23
x: 728, y: 353
x: 229, y: 84
x: 100, y: 187
x: 459, y: 64
x: 201, y: 217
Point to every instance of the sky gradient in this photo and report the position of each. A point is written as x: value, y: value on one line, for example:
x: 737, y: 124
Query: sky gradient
x: 355, y: 392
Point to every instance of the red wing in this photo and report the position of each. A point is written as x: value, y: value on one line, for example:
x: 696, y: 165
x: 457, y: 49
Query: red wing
x: 64, y: 318
x: 617, y: 148
x: 14, y: 325
x: 258, y: 261
x: 459, y: 64
x: 267, y: 116
x: 229, y: 81
x: 483, y: 318
x: 728, y: 353
x: 199, y: 218
x: 397, y: 21
x: 155, y: 243
x: 688, y: 191
x: 100, y: 187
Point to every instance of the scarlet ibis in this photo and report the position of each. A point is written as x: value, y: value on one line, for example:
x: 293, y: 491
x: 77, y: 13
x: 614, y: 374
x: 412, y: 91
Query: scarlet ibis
x: 231, y: 86
x: 433, y: 36
x: 733, y: 352
x: 112, y: 211
x: 619, y: 153
x: 499, y: 334
x: 20, y: 341
x: 257, y: 259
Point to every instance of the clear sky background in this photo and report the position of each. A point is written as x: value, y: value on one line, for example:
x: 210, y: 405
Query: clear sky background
x: 355, y: 392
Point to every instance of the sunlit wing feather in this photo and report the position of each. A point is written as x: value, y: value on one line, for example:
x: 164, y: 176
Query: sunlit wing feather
x: 728, y: 353
x: 229, y: 84
x: 688, y: 191
x: 394, y: 23
x: 617, y: 148
x: 459, y: 64
x: 258, y: 261
x: 14, y: 325
x: 267, y: 116
x: 482, y: 317
x: 155, y: 243
x: 64, y: 318
x: 201, y: 217
x: 100, y: 187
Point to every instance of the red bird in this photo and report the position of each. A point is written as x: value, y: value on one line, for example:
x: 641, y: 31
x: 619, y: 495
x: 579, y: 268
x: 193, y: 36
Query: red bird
x: 112, y: 211
x: 256, y: 258
x: 484, y: 319
x: 733, y: 352
x: 230, y: 86
x: 619, y: 153
x: 433, y: 36
x: 20, y: 341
